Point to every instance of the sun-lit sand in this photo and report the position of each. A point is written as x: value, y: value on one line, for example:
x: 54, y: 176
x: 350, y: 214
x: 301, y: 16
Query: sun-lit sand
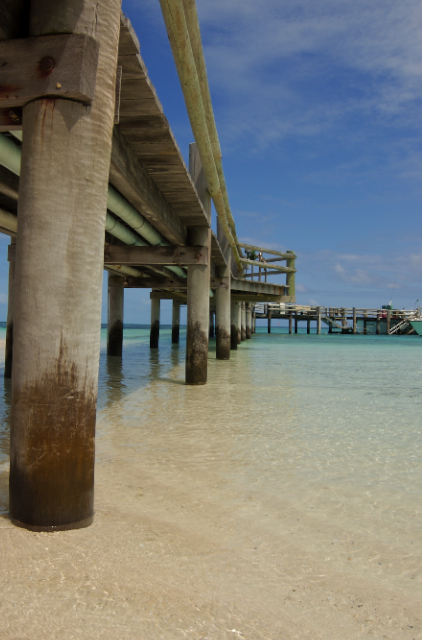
x: 196, y: 537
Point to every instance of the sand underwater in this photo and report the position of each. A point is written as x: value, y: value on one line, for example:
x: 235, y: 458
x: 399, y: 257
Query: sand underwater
x: 280, y: 501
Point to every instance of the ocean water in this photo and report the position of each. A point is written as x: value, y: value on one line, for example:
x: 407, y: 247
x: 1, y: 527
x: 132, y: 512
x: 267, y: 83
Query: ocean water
x: 292, y: 479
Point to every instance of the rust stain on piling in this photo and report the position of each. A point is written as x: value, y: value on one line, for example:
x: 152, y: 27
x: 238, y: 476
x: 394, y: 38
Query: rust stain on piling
x: 175, y: 334
x: 154, y: 335
x: 223, y: 343
x: 196, y: 354
x: 115, y: 339
x: 8, y: 361
x: 233, y: 337
x: 52, y: 452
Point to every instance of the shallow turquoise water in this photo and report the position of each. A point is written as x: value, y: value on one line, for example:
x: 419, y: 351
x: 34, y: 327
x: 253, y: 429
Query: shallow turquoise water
x: 333, y: 411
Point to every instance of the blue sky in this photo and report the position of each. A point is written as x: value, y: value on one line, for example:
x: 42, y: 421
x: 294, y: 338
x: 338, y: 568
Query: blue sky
x: 317, y: 104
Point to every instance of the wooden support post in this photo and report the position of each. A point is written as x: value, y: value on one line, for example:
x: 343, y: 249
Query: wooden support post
x: 296, y: 322
x: 253, y: 320
x: 318, y: 310
x: 234, y: 323
x: 378, y: 329
x: 223, y: 318
x: 175, y: 323
x: 243, y: 321
x: 248, y: 321
x: 211, y: 325
x: 8, y: 359
x: 239, y: 325
x: 155, y: 323
x: 344, y: 319
x: 308, y: 326
x: 365, y: 314
x: 388, y: 321
x: 354, y: 321
x: 115, y: 318
x: 58, y: 282
x: 198, y: 300
x: 269, y: 319
x: 290, y: 322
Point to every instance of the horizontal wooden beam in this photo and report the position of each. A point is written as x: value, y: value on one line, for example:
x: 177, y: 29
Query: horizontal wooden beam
x: 148, y: 283
x: 129, y: 177
x: 59, y: 66
x: 171, y: 282
x: 168, y: 295
x: 282, y: 254
x: 264, y: 288
x: 171, y: 255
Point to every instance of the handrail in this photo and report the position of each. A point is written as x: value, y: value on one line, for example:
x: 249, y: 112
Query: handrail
x: 182, y: 26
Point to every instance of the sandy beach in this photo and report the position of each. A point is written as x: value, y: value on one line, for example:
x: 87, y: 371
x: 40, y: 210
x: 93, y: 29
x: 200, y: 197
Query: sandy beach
x: 202, y: 532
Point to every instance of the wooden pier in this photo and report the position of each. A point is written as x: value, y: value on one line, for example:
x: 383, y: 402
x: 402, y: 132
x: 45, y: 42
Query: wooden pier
x: 339, y: 320
x: 91, y: 177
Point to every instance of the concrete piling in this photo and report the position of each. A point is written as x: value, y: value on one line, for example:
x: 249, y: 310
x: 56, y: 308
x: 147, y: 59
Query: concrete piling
x: 243, y: 328
x: 211, y: 325
x: 198, y: 315
x: 115, y: 317
x: 8, y: 359
x: 248, y: 321
x: 58, y: 278
x: 155, y: 323
x: 175, y: 322
x: 234, y: 323
x: 223, y: 322
x: 239, y: 324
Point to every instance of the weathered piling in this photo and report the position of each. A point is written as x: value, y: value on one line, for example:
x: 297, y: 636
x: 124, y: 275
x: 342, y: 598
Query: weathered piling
x: 58, y: 278
x: 354, y: 320
x: 115, y: 315
x: 269, y: 320
x: 223, y: 318
x: 248, y: 321
x: 175, y: 322
x: 154, y: 334
x: 308, y: 326
x: 8, y: 359
x: 243, y: 321
x: 234, y: 323
x: 378, y: 325
x: 211, y: 325
x: 296, y: 323
x: 291, y: 322
x: 198, y: 313
x: 239, y: 324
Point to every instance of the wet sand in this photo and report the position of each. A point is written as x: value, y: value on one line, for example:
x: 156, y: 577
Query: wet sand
x: 202, y: 532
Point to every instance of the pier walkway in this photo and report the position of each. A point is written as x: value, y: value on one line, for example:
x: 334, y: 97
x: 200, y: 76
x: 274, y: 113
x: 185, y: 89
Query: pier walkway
x: 339, y: 320
x: 91, y: 177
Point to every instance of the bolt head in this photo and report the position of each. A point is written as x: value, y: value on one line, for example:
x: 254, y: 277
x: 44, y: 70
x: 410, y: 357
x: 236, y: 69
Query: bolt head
x: 47, y: 64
